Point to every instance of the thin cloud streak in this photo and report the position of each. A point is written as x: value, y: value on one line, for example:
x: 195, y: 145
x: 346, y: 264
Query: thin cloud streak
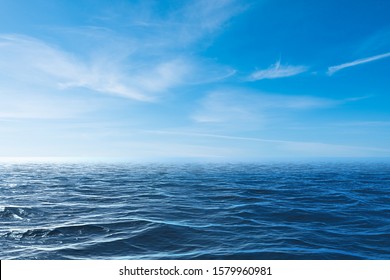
x: 276, y: 71
x: 294, y: 145
x: 334, y: 69
x: 241, y: 107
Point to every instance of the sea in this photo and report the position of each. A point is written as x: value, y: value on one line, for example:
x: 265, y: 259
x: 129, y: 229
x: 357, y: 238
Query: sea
x: 126, y: 211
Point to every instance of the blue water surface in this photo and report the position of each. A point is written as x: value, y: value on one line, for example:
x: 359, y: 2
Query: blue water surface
x: 195, y: 211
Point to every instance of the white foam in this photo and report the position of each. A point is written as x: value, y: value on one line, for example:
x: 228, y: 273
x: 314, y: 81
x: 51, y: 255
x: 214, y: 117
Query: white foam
x: 17, y: 217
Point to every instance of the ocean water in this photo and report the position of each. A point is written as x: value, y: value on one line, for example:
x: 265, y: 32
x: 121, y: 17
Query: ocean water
x: 195, y: 211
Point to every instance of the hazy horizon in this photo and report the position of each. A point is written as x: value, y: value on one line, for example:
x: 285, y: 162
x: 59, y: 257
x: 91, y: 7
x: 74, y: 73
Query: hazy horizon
x: 114, y: 160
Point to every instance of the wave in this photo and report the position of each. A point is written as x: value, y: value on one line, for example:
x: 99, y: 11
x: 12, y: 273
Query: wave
x: 19, y: 213
x: 276, y: 211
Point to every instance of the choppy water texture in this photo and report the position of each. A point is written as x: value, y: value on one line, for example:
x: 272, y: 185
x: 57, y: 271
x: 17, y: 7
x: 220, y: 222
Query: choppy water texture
x: 195, y: 211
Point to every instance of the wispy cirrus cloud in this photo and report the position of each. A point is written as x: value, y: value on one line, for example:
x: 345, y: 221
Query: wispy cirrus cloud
x: 265, y: 147
x: 136, y: 63
x: 243, y: 107
x: 33, y: 62
x: 204, y: 17
x: 276, y: 71
x: 336, y: 68
x: 179, y: 25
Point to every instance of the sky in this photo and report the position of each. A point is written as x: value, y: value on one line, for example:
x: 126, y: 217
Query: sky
x: 216, y: 80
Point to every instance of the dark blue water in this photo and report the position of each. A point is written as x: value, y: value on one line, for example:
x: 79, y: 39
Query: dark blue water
x: 195, y: 211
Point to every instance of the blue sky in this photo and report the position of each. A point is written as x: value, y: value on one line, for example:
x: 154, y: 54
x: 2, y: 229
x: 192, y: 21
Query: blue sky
x: 201, y: 80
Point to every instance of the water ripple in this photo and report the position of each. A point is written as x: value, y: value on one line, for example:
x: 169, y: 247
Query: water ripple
x: 195, y: 211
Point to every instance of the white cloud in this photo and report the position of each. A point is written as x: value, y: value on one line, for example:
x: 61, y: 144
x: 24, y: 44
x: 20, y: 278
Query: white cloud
x: 203, y: 17
x: 26, y: 60
x: 178, y: 26
x: 336, y: 68
x: 33, y: 61
x: 267, y: 147
x: 243, y: 107
x: 227, y: 107
x: 277, y: 70
x: 136, y: 63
